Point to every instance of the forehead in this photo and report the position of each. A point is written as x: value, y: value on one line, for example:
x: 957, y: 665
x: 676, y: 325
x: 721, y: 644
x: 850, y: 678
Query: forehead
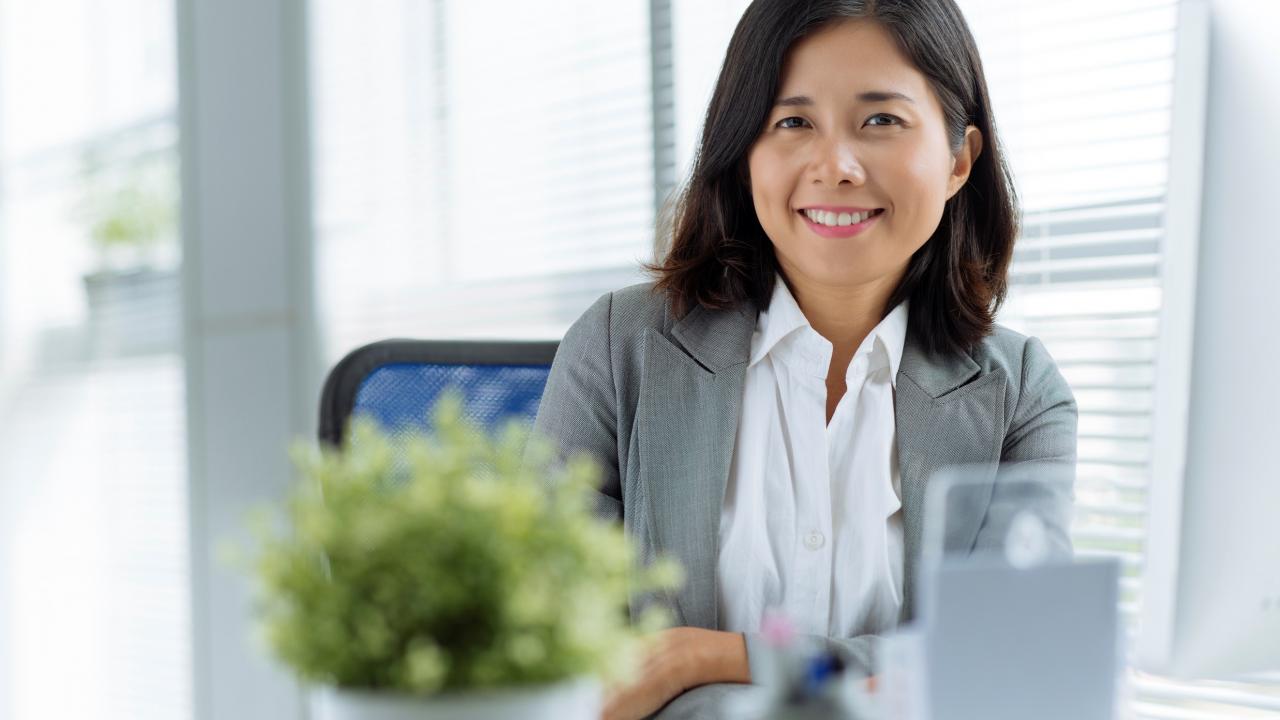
x: 849, y: 56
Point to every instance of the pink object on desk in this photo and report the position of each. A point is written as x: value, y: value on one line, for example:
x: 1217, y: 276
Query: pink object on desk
x: 777, y: 629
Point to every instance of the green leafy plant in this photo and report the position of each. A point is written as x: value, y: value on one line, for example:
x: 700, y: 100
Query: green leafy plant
x: 450, y: 561
x: 134, y: 215
x: 129, y: 205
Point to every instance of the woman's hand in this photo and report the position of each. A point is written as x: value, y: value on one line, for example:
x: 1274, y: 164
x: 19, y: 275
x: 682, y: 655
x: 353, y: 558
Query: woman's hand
x: 678, y: 659
x: 666, y: 671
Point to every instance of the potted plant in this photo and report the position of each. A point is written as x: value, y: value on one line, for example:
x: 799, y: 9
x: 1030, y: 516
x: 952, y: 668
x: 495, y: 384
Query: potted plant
x: 453, y: 575
x: 129, y: 209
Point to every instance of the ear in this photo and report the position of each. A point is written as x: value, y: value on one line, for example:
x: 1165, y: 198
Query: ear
x: 962, y: 162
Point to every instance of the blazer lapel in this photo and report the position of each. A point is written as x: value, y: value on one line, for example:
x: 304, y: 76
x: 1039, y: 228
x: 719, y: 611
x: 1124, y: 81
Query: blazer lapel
x: 943, y: 421
x: 686, y: 419
x: 691, y: 386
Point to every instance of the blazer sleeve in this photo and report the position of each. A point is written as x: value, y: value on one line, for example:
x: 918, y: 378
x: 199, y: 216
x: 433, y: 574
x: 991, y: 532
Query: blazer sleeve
x: 578, y: 411
x: 1041, y: 433
x: 1040, y: 444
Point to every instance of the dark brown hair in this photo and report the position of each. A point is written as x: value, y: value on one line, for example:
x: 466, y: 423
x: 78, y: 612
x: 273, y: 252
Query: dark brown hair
x: 719, y: 255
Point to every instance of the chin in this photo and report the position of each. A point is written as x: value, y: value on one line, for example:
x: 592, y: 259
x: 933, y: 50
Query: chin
x: 839, y: 275
x: 836, y: 266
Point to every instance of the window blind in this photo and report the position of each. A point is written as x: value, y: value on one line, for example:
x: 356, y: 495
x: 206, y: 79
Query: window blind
x: 94, y: 599
x: 482, y: 168
x: 1084, y: 97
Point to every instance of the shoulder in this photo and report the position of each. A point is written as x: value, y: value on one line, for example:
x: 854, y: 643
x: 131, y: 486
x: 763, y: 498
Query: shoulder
x: 602, y: 353
x: 1006, y: 349
x: 623, y: 315
x: 640, y: 306
x: 607, y: 341
x: 1033, y: 376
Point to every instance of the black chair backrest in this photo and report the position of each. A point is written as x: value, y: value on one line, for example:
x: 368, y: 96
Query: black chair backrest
x: 397, y: 382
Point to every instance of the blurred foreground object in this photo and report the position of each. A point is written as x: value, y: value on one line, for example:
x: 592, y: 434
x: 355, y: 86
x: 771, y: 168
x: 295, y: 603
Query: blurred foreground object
x: 452, y: 574
x: 803, y: 681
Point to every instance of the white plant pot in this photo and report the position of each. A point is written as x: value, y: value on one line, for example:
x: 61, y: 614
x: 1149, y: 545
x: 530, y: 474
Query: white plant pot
x: 576, y: 699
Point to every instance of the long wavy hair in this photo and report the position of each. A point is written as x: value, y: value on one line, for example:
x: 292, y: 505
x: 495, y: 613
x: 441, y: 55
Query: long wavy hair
x: 717, y: 254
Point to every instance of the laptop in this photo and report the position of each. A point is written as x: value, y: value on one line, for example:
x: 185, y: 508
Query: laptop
x: 1014, y: 631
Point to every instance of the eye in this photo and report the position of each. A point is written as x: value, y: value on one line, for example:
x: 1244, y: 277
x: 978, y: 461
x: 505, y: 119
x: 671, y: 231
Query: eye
x: 886, y: 118
x: 784, y: 122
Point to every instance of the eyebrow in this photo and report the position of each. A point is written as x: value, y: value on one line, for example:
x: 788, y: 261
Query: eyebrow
x: 872, y: 96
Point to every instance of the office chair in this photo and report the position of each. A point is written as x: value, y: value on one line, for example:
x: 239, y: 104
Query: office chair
x: 397, y: 383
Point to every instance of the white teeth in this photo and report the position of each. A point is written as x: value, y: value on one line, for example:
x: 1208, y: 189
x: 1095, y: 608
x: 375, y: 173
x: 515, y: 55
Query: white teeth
x: 831, y: 219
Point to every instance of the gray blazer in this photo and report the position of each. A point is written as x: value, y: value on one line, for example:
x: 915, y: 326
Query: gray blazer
x: 656, y: 400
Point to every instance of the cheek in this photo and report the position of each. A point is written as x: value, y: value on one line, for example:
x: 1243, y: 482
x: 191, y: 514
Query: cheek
x: 771, y: 184
x: 918, y: 185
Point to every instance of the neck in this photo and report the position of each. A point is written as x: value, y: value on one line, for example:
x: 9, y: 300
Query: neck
x: 844, y: 315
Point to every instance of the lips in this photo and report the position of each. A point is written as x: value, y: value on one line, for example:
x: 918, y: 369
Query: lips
x: 818, y: 219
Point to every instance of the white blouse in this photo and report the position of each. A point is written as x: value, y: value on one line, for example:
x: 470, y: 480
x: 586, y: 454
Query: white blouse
x: 812, y: 516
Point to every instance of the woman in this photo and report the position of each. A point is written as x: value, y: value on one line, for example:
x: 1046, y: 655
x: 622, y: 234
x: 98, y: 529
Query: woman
x: 818, y: 342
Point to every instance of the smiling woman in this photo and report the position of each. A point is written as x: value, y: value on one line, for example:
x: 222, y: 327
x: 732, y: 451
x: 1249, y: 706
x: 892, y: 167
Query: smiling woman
x: 833, y: 148
x: 819, y: 341
x: 904, y: 126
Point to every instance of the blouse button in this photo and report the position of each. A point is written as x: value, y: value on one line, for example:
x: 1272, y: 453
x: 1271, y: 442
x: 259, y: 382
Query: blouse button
x: 814, y: 540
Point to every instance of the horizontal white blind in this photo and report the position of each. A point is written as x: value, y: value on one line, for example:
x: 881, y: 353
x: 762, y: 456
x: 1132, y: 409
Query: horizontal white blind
x: 1084, y: 101
x: 94, y: 582
x: 480, y: 168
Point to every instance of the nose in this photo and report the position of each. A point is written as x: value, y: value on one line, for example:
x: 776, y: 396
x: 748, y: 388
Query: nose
x: 835, y: 163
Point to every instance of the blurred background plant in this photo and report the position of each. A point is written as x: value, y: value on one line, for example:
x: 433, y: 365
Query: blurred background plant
x: 451, y: 561
x: 130, y: 206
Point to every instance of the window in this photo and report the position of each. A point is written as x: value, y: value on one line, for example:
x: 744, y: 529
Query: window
x: 1084, y: 98
x: 93, y: 531
x: 463, y: 191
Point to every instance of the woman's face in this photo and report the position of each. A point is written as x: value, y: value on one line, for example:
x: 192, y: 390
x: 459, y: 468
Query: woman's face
x: 850, y: 173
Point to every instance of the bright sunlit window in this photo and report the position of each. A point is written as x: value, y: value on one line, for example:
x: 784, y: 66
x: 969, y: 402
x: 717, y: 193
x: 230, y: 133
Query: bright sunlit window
x: 94, y: 618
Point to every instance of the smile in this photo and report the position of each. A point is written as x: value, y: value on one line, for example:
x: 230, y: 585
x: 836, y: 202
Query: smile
x: 828, y: 223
